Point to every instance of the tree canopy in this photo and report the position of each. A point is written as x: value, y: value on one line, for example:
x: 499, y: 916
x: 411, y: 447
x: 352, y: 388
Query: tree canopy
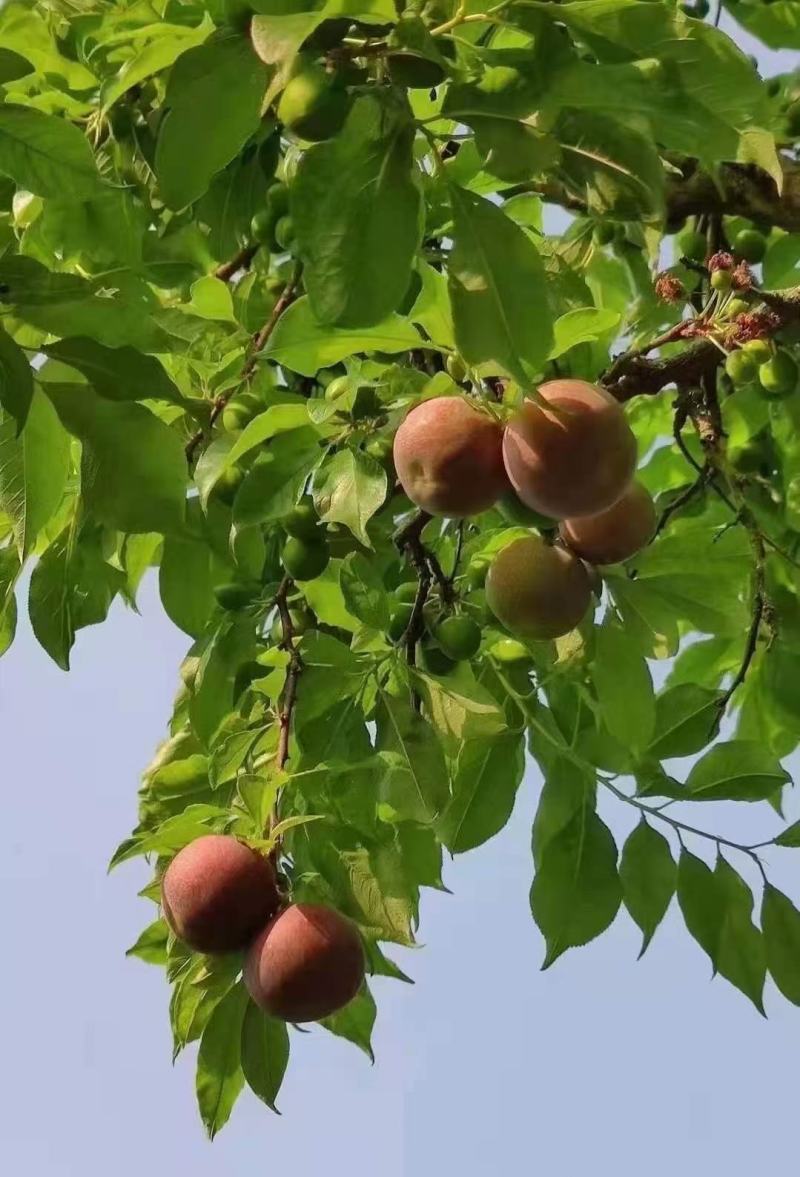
x: 304, y: 305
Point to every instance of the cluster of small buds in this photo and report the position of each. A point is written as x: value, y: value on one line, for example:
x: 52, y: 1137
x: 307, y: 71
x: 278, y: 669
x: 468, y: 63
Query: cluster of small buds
x: 754, y: 325
x: 669, y: 288
x: 721, y: 261
x: 742, y: 277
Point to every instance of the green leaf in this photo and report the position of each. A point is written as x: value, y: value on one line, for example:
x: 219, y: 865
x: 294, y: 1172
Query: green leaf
x: 576, y: 892
x: 460, y: 708
x: 496, y: 275
x: 624, y: 686
x: 355, y: 1022
x: 16, y: 379
x: 615, y: 169
x: 780, y: 922
x: 790, y: 836
x: 416, y: 787
x: 265, y: 1054
x: 9, y: 571
x: 303, y: 345
x: 167, y: 42
x: 741, y: 958
x: 133, y: 467
x: 700, y: 902
x: 350, y: 489
x: 72, y: 586
x: 186, y: 584
x: 213, y: 101
x: 685, y: 718
x: 219, y: 1061
x: 363, y: 591
x: 33, y: 470
x: 197, y: 993
x: 45, y: 154
x: 151, y: 946
x: 649, y: 875
x: 581, y: 326
x: 488, y: 774
x: 273, y: 484
x: 568, y: 787
x: 117, y: 373
x: 356, y: 206
x: 738, y: 770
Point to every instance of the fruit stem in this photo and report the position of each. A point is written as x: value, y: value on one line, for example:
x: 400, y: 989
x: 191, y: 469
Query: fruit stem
x: 289, y: 693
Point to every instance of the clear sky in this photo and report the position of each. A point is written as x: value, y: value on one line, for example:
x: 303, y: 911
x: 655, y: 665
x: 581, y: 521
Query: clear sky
x: 600, y: 1065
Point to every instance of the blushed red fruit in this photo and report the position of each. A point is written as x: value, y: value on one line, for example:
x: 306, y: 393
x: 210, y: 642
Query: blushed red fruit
x: 615, y: 534
x: 217, y: 893
x: 536, y: 590
x: 306, y: 964
x: 449, y: 457
x: 576, y: 460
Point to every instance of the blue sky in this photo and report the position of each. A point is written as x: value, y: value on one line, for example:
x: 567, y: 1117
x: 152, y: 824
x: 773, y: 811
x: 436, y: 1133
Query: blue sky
x: 486, y: 1064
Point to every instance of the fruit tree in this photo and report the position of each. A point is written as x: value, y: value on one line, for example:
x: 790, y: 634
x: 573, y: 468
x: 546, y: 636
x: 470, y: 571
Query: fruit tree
x: 443, y: 361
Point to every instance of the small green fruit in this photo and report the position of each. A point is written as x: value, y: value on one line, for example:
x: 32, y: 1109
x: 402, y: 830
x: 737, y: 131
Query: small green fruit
x: 261, y: 226
x: 302, y: 521
x: 736, y: 306
x: 509, y: 651
x: 380, y: 448
x: 406, y: 592
x: 692, y: 244
x: 284, y: 233
x: 301, y: 621
x: 759, y: 349
x: 228, y: 483
x: 778, y: 376
x: 235, y: 596
x: 278, y: 200
x: 304, y: 559
x: 337, y: 388
x: 741, y: 367
x: 721, y: 281
x: 399, y: 620
x: 459, y: 637
x: 456, y: 369
x: 240, y: 411
x: 313, y: 106
x: 751, y: 245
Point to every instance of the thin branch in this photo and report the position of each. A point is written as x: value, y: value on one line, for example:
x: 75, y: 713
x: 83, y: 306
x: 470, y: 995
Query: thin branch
x: 289, y: 693
x: 240, y: 261
x: 259, y: 342
x: 680, y: 502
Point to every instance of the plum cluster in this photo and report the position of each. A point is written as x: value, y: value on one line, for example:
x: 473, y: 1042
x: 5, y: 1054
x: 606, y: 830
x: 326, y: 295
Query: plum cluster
x: 568, y: 454
x: 304, y: 961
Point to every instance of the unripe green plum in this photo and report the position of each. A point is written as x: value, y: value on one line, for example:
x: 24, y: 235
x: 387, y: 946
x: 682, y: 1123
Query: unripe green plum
x: 301, y: 621
x: 399, y: 620
x: 778, y: 376
x: 742, y: 367
x: 513, y: 510
x: 615, y: 534
x: 736, y: 306
x: 305, y: 559
x: 721, y: 281
x: 236, y: 595
x: 240, y: 411
x: 262, y: 226
x: 302, y: 521
x: 759, y: 349
x: 227, y: 485
x: 459, y: 637
x: 510, y: 652
x: 406, y: 592
x: 448, y: 457
x: 751, y: 245
x: 456, y: 369
x: 284, y: 233
x: 217, y: 892
x: 574, y: 456
x: 538, y: 591
x: 313, y: 105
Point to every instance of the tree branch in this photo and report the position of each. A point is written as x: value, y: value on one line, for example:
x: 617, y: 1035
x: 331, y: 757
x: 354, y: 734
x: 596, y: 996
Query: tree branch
x: 240, y: 261
x: 259, y: 342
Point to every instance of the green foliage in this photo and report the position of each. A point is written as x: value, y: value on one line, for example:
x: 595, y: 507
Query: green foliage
x: 231, y: 259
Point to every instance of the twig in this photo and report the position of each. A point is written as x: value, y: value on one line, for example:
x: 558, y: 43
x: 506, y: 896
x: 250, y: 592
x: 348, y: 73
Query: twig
x: 289, y: 693
x: 685, y: 497
x: 459, y: 549
x: 240, y: 261
x: 259, y: 341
